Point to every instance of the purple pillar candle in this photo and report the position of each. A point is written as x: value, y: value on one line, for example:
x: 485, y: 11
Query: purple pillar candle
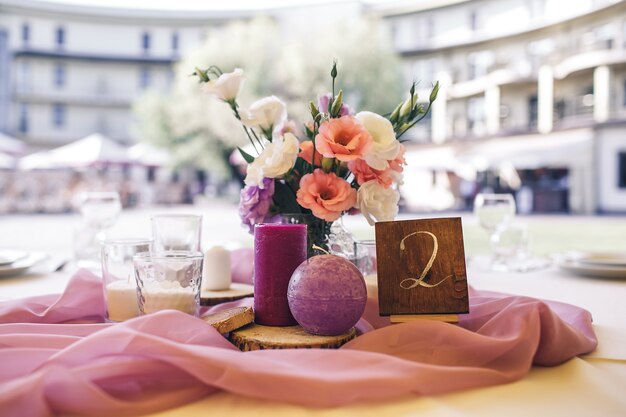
x: 278, y: 250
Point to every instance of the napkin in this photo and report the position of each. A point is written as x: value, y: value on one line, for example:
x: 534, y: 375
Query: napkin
x: 166, y: 359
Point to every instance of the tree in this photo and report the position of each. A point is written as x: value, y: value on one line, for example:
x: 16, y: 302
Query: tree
x: 200, y: 130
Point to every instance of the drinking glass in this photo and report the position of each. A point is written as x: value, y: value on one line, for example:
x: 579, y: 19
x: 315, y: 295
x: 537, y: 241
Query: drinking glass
x: 99, y: 211
x: 176, y: 232
x: 365, y: 261
x: 493, y: 212
x: 118, y: 277
x: 509, y: 245
x: 168, y: 280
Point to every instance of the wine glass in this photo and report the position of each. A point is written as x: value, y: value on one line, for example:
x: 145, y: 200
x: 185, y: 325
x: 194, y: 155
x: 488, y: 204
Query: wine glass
x: 99, y: 211
x: 494, y: 211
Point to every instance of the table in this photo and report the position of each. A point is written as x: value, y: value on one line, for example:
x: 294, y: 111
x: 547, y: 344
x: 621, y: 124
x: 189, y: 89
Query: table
x: 592, y: 385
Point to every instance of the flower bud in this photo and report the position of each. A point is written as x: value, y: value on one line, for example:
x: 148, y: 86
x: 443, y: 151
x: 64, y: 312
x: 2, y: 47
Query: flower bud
x: 336, y: 107
x: 201, y: 74
x: 314, y: 110
x: 333, y: 72
x: 434, y: 92
x: 395, y: 113
x: 408, y: 105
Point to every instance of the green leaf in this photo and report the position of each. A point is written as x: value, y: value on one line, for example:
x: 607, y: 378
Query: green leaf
x: 285, y: 198
x: 248, y: 158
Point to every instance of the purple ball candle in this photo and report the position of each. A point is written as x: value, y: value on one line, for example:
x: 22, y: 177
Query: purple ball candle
x: 278, y: 250
x: 327, y: 295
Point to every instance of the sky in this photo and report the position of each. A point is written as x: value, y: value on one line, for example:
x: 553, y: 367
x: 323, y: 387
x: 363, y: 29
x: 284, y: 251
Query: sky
x: 200, y: 4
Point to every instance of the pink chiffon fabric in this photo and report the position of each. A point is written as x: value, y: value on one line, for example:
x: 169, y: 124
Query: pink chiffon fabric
x: 58, y: 356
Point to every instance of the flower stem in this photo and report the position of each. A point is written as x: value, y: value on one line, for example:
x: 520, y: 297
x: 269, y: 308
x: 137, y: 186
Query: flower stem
x: 233, y: 106
x: 415, y: 121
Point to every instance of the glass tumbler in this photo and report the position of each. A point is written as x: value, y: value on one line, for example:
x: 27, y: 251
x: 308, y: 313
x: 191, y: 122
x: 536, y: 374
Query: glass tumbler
x: 118, y: 277
x: 169, y: 280
x: 365, y: 261
x: 176, y: 232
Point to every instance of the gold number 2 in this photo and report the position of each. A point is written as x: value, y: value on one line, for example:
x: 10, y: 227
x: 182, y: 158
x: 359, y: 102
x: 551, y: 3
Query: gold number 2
x: 409, y: 283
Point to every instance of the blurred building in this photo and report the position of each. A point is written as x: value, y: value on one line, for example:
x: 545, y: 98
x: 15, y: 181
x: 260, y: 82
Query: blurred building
x: 537, y: 85
x: 67, y: 71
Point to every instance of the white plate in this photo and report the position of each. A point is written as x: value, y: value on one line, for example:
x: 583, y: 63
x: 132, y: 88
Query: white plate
x: 8, y: 257
x: 21, y: 265
x: 594, y: 271
x: 604, y: 259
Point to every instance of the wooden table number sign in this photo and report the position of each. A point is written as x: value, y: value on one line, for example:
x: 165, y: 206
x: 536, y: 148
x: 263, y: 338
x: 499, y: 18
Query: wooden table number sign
x: 421, y: 269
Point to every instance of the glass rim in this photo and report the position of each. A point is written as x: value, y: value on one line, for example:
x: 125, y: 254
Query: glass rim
x: 176, y: 215
x: 126, y: 241
x: 365, y: 242
x: 168, y: 255
x: 99, y: 193
x: 498, y: 195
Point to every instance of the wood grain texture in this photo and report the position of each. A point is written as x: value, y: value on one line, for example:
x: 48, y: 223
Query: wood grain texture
x: 236, y: 291
x: 231, y: 319
x: 443, y: 289
x: 257, y: 337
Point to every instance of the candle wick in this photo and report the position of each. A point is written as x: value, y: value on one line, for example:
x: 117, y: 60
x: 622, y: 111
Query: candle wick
x: 320, y: 249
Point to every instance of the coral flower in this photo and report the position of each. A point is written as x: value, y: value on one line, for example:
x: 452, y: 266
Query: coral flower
x: 306, y: 153
x: 326, y: 195
x: 344, y: 138
x: 364, y: 173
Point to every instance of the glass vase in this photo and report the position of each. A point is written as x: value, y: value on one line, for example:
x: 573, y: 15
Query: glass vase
x: 322, y: 236
x: 318, y: 231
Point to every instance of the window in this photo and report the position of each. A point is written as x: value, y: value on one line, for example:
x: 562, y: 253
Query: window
x: 175, y: 42
x: 58, y: 114
x: 59, y: 75
x: 145, y: 41
x: 473, y: 20
x: 23, y: 122
x: 144, y: 78
x: 60, y: 37
x: 621, y: 169
x: 25, y: 33
x: 533, y: 111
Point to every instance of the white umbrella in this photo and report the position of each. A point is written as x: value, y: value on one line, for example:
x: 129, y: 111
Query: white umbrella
x: 11, y: 145
x: 91, y: 150
x: 6, y: 161
x: 149, y: 155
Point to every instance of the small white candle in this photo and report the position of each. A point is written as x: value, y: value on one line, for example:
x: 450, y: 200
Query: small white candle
x: 122, y: 300
x: 216, y: 275
x: 168, y: 295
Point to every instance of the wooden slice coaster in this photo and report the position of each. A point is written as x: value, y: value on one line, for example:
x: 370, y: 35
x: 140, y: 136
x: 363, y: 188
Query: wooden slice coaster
x: 257, y: 337
x: 236, y: 291
x: 230, y: 319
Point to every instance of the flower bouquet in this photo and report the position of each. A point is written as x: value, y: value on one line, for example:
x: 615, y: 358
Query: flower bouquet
x: 344, y: 163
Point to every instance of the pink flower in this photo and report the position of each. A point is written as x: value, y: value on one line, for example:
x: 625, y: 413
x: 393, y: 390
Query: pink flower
x: 397, y: 165
x: 306, y: 153
x: 326, y: 195
x: 364, y: 173
x: 344, y: 138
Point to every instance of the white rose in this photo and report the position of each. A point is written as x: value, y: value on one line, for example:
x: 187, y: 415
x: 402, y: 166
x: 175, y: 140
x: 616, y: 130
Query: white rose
x: 267, y: 113
x: 226, y: 86
x: 385, y: 146
x: 276, y: 159
x: 377, y: 203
